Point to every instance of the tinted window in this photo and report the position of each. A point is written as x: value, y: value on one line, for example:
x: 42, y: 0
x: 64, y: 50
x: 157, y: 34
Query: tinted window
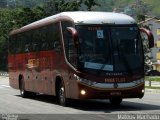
x: 41, y: 39
x: 53, y: 37
x: 12, y: 43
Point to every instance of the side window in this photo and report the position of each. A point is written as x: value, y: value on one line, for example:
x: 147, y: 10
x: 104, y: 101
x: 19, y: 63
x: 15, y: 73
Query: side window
x: 46, y: 38
x: 70, y: 50
x: 22, y: 42
x: 18, y: 43
x: 53, y: 37
x: 35, y: 46
x: 57, y: 43
x: 28, y: 42
x: 43, y: 39
x: 12, y: 43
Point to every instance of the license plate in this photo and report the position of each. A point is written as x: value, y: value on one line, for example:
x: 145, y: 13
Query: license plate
x: 115, y: 93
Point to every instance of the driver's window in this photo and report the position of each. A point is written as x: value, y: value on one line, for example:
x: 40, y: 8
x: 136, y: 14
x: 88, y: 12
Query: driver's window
x: 70, y: 49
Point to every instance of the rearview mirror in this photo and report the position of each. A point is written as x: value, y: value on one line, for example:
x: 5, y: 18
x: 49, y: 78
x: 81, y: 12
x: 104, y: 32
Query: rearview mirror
x: 147, y: 34
x: 74, y: 36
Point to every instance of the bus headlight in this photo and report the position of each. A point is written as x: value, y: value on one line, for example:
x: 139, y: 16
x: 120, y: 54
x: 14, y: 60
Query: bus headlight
x: 84, y: 81
x: 143, y: 90
x: 83, y: 92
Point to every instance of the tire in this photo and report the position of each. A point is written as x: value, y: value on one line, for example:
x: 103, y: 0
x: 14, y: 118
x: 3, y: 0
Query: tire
x: 61, y: 95
x: 23, y: 93
x: 115, y: 101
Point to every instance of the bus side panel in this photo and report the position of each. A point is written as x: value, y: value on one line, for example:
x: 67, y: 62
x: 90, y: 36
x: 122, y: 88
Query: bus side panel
x: 73, y: 85
x: 45, y: 71
x: 16, y: 67
x: 12, y: 70
x: 58, y: 69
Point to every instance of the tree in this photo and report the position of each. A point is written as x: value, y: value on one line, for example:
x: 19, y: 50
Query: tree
x: 53, y: 7
x: 6, y: 24
x: 90, y: 4
x: 28, y: 15
x: 39, y: 13
x: 140, y: 17
x: 142, y: 9
x: 24, y: 3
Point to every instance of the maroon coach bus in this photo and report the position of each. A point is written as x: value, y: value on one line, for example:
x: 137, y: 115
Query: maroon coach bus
x: 79, y: 55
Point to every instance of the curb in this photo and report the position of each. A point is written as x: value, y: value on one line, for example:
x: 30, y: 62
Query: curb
x: 152, y: 90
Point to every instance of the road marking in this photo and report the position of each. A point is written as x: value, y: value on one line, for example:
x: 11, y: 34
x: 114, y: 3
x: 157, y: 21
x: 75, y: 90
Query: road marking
x: 4, y: 86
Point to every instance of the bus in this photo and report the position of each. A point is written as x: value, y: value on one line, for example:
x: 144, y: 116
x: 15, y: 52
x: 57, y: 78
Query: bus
x: 79, y: 55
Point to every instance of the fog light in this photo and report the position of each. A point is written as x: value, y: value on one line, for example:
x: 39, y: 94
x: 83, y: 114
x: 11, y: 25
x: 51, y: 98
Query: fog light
x: 143, y: 90
x: 83, y: 92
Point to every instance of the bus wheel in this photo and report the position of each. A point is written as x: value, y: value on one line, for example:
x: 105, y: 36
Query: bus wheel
x: 115, y: 101
x: 61, y: 95
x: 23, y: 93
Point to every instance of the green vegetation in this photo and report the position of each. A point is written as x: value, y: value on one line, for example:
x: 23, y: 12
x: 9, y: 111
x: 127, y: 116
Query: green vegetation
x: 152, y: 87
x: 155, y: 6
x: 152, y: 78
x: 6, y: 25
x: 151, y: 7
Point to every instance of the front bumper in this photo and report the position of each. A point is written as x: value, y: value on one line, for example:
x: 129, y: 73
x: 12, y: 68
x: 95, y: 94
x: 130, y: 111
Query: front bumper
x: 93, y: 92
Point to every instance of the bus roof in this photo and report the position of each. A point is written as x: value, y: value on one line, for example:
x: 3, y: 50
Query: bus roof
x: 82, y: 17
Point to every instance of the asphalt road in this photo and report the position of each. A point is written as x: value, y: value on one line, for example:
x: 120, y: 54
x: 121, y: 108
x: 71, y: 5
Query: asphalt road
x: 41, y: 107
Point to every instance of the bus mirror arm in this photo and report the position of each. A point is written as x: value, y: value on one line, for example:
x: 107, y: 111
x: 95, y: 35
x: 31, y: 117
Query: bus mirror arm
x: 74, y: 33
x: 149, y: 35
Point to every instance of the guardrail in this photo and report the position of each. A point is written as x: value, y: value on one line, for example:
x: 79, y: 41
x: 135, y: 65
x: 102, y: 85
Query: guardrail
x: 153, y: 81
x: 4, y: 74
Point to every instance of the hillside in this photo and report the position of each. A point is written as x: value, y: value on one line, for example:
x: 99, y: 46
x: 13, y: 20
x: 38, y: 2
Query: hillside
x: 151, y: 6
x: 155, y: 6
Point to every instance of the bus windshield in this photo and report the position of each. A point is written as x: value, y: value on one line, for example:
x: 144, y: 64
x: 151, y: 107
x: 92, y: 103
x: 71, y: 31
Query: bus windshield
x: 110, y: 48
